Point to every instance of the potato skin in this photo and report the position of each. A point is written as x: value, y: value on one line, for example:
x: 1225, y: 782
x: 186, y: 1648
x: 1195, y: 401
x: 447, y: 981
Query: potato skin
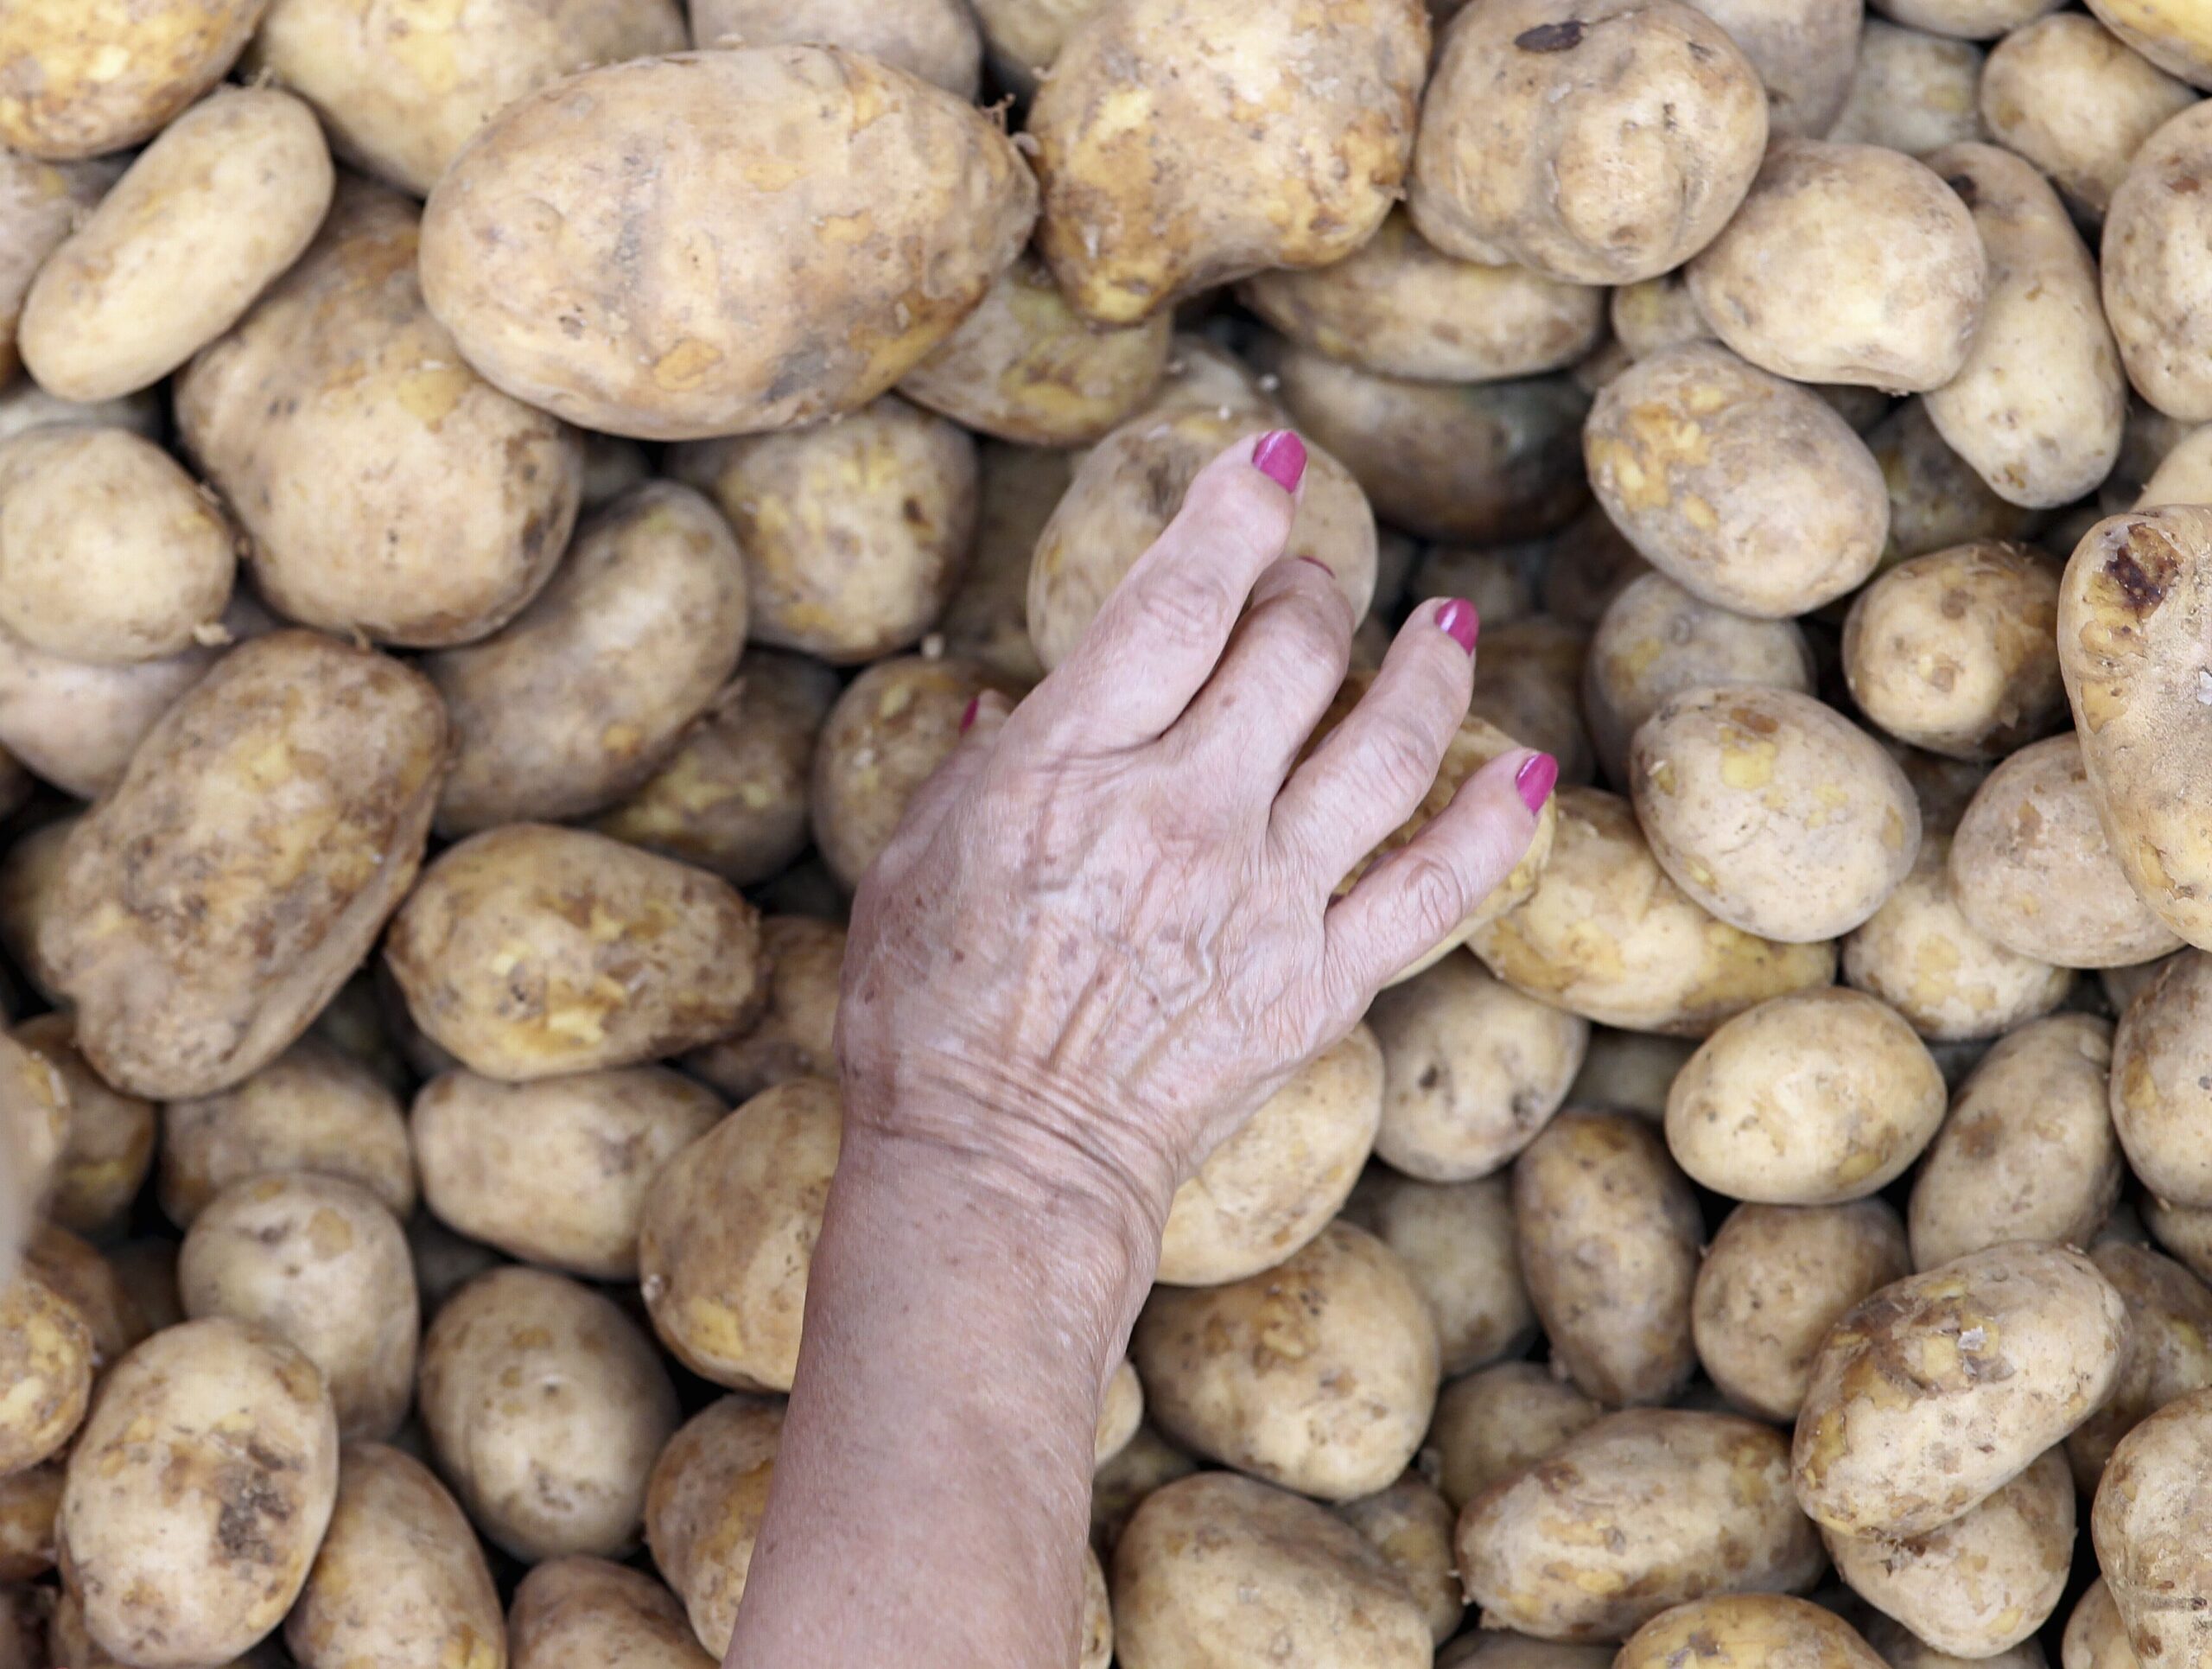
x: 1161, y: 116
x: 1804, y: 53
x: 388, y: 489
x: 1749, y: 1630
x: 2095, y: 1637
x: 2153, y: 292
x: 704, y: 1505
x: 937, y: 40
x: 1935, y: 499
x: 858, y: 214
x: 1634, y: 1514
x: 2178, y: 42
x: 185, y: 1546
x: 796, y: 1033
x: 98, y: 1173
x: 80, y: 78
x: 40, y: 205
x: 1492, y: 1423
x: 76, y: 725
x: 2148, y: 1527
x: 1456, y: 1242
x: 580, y: 1612
x: 2169, y: 1352
x: 2156, y: 1099
x: 77, y: 1273
x: 1941, y: 1388
x: 400, y: 1577
x: 2069, y: 97
x: 1410, y: 1525
x: 215, y: 900
x: 29, y: 1500
x: 45, y: 1370
x: 530, y: 950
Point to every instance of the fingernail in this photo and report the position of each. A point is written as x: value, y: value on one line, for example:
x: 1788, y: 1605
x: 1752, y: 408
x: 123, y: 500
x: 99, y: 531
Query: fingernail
x: 1459, y: 618
x: 1319, y: 563
x: 1538, y: 775
x: 968, y: 713
x: 1280, y: 456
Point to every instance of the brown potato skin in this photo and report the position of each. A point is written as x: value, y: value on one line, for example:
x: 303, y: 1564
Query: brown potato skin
x: 81, y: 78
x: 935, y: 40
x: 46, y: 1370
x: 1456, y: 1242
x: 796, y: 1033
x: 211, y: 904
x: 1749, y: 1630
x: 2148, y: 1526
x: 2169, y: 1351
x: 30, y: 1501
x: 111, y: 1147
x: 2067, y: 95
x: 987, y: 619
x: 703, y: 1508
x: 2157, y: 1097
x: 1935, y: 499
x: 1492, y: 1423
x: 582, y: 1612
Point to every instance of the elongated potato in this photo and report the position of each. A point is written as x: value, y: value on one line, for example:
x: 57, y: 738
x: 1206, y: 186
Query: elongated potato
x: 1749, y: 1630
x: 45, y: 1370
x: 2148, y: 1525
x: 2158, y: 1097
x: 211, y: 904
x: 2168, y: 1353
x: 531, y: 951
x: 388, y: 488
x: 1180, y: 146
x: 111, y: 1144
x: 185, y: 1544
x: 1632, y: 1515
x: 937, y: 40
x: 2067, y: 95
x: 796, y: 1033
x: 859, y: 214
x: 79, y: 78
x: 2153, y: 289
x: 40, y: 205
x: 703, y: 1508
x: 580, y: 1612
x: 1938, y: 1391
x: 400, y: 1573
x: 1456, y: 1242
x: 1410, y: 1525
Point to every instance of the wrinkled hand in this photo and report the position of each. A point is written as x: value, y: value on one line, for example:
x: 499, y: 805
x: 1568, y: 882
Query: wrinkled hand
x: 1105, y: 932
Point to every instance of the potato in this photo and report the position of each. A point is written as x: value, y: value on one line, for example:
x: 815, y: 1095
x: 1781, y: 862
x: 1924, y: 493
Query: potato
x: 893, y: 725
x: 1846, y: 263
x: 796, y: 1034
x: 2182, y: 477
x: 145, y: 1271
x: 582, y: 1612
x: 2153, y: 291
x: 400, y: 1578
x: 2148, y: 1528
x: 1491, y: 1424
x: 1528, y: 682
x: 1751, y: 494
x: 1609, y: 1238
x: 1410, y: 1525
x: 732, y: 797
x: 555, y: 1172
x: 1219, y: 1569
x: 29, y: 1500
x: 1456, y: 1243
x: 2159, y: 1096
x: 40, y: 204
x: 76, y: 1272
x: 2070, y: 63
x: 1804, y: 52
x: 2095, y: 1637
x: 80, y: 505
x: 1025, y: 36
x: 110, y: 1143
x: 224, y: 200
x: 81, y: 77
x: 1473, y: 1070
x: 1320, y: 1374
x: 2176, y: 43
x: 1939, y: 1390
x: 2169, y: 1351
x: 45, y: 1370
x: 2122, y: 985
x: 211, y: 903
x: 703, y: 1508
x: 580, y: 698
x: 1275, y: 1183
x: 1749, y: 1630
x: 1586, y: 566
x: 1970, y: 20
x: 312, y: 1109
x: 1629, y: 1071
x: 1809, y: 1100
x: 185, y: 1544
x: 1935, y: 499
x: 563, y: 1470
x: 987, y: 617
x: 1774, y: 1281
x: 1119, y: 1485
x: 529, y: 952
x: 935, y: 40
x: 1096, y: 1639
x: 1911, y: 91
x: 1632, y: 1515
x: 1522, y: 157
x: 1160, y: 117
x: 1491, y: 578
x: 76, y: 725
x: 2183, y: 1231
x: 1121, y: 1412
x: 2032, y: 869
x: 1501, y: 1648
x: 444, y: 1262
x: 35, y: 1119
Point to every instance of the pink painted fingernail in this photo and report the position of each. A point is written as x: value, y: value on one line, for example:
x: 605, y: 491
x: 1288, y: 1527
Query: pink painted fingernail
x: 1280, y: 456
x: 1538, y: 774
x: 968, y: 713
x: 1459, y: 618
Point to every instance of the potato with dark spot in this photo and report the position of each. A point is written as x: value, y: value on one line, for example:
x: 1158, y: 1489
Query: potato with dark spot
x: 1410, y: 1525
x: 45, y: 1370
x: 77, y: 1273
x: 1456, y: 1242
x: 198, y: 1494
x: 703, y: 1508
x: 582, y: 1612
x: 796, y: 1033
x: 111, y: 1144
x: 1748, y: 1631
x: 2149, y: 1528
x: 2169, y: 1351
x: 1491, y: 1424
x: 79, y: 78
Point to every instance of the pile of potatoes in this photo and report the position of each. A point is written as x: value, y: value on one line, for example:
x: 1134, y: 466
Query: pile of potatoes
x: 502, y: 504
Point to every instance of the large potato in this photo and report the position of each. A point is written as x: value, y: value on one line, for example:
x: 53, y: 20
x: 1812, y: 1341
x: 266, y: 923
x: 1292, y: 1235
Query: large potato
x: 2154, y: 288
x: 1456, y: 1242
x: 562, y: 1469
x: 2066, y: 94
x: 212, y: 903
x: 1938, y: 1391
x: 1640, y: 1512
x: 1600, y: 144
x: 2169, y: 1351
x: 1320, y: 1374
x: 40, y: 205
x: 704, y: 1505
x: 582, y: 1612
x: 1910, y: 90
x: 400, y: 1578
x: 578, y: 699
x: 1274, y: 1184
x: 937, y: 40
x: 75, y: 724
x: 794, y: 229
x: 81, y: 77
x: 796, y: 1033
x: 1181, y: 145
x: 2149, y: 1528
x: 1749, y: 1630
x: 1748, y: 492
x: 2160, y: 1089
x: 1846, y: 263
x: 1410, y: 1525
x: 1219, y: 1569
x: 45, y: 1370
x: 111, y: 1146
x: 531, y: 951
x: 198, y: 1494
x: 319, y: 1262
x: 1492, y: 1423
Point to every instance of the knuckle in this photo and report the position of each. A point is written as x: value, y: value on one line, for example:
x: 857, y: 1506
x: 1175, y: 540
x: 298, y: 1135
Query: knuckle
x: 1179, y: 608
x: 1401, y: 757
x: 1436, y: 899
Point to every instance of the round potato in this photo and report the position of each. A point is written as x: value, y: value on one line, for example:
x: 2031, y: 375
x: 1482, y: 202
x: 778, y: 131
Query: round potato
x: 226, y: 199
x: 1935, y: 499
x: 2095, y: 1637
x: 1456, y: 1242
x: 40, y: 204
x: 1772, y: 811
x: 2148, y: 1529
x: 1774, y: 1281
x: 562, y: 1470
x: 1320, y: 1374
x: 1752, y: 494
x: 2169, y: 1351
x: 31, y: 1500
x: 1749, y: 1630
x: 1221, y: 1569
x: 1493, y: 1423
x: 2032, y: 867
x: 796, y: 1033
x: 45, y: 1370
x: 2159, y: 1096
x: 579, y: 698
x: 2065, y: 93
x: 1274, y: 1184
x: 185, y: 1544
x: 1609, y: 1236
x: 1637, y: 1512
x: 76, y: 725
x: 109, y: 552
x: 1410, y: 1525
x: 1600, y: 144
x: 2027, y: 1153
x: 400, y: 1578
x: 555, y: 1172
x: 530, y: 950
x: 1804, y: 52
x: 703, y: 1508
x: 2154, y: 293
x: 320, y: 1263
x: 98, y: 1172
x: 1943, y: 1387
x: 583, y: 1612
x: 1846, y: 263
x: 80, y: 78
x: 935, y: 40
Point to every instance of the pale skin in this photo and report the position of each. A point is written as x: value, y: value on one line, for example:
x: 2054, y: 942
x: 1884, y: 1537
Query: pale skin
x: 1103, y: 935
